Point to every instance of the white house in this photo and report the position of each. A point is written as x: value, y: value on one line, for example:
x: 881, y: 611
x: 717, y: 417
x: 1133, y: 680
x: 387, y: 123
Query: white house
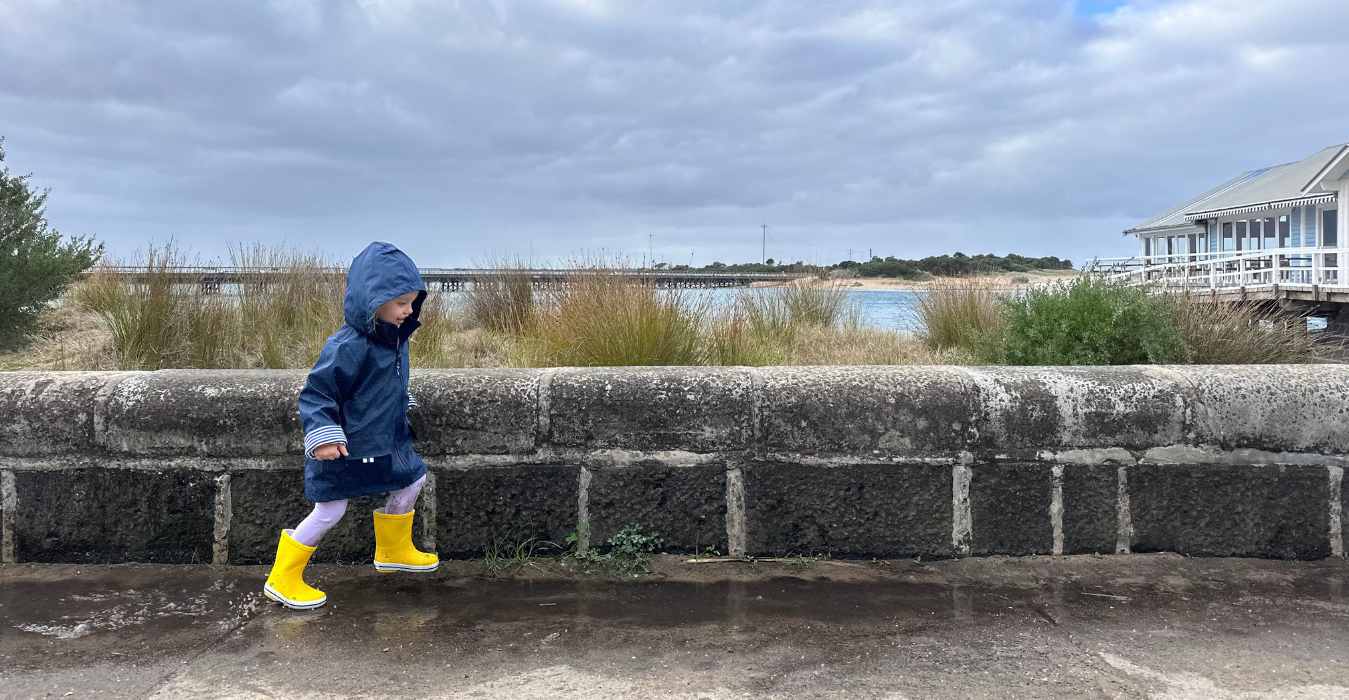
x: 1285, y: 224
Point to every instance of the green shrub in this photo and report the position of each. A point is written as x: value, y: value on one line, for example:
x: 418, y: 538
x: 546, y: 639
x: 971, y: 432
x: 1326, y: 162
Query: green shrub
x: 1087, y: 322
x: 36, y: 265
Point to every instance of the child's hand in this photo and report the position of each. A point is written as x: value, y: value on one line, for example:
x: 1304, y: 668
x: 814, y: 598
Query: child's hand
x: 332, y: 450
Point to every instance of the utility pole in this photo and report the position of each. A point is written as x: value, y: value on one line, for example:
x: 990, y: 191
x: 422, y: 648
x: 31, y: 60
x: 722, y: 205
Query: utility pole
x: 763, y: 251
x: 650, y: 251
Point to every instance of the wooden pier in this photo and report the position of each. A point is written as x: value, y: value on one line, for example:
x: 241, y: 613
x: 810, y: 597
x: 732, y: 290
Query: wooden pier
x: 215, y: 279
x: 1311, y: 282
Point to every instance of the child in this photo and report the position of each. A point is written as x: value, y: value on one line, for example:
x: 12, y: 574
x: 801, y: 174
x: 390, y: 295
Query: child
x: 357, y: 438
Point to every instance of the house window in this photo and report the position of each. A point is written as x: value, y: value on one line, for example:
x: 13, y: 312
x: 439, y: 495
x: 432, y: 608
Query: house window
x: 1283, y: 231
x: 1147, y: 247
x: 1270, y: 232
x: 1296, y: 217
x: 1227, y: 236
x: 1212, y: 235
x: 1310, y: 222
x: 1241, y: 235
x: 1329, y: 226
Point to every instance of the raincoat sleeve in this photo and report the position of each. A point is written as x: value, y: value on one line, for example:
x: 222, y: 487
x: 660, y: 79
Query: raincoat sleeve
x: 321, y: 400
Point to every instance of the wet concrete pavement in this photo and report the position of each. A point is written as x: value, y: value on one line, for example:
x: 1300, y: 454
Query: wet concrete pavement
x: 1118, y: 626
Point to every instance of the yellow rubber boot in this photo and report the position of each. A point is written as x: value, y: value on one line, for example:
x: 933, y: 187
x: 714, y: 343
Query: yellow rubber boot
x: 394, y: 550
x: 286, y: 583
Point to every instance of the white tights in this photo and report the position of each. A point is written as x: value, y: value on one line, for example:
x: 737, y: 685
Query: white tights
x: 327, y: 514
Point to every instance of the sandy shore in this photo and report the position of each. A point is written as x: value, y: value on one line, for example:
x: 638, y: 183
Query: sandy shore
x: 1011, y: 280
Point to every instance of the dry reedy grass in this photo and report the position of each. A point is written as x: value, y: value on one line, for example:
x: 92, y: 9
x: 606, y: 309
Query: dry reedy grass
x: 599, y: 318
x: 503, y: 302
x: 960, y: 314
x: 1221, y: 334
x: 281, y: 321
x: 595, y: 318
x: 857, y: 345
x: 66, y: 338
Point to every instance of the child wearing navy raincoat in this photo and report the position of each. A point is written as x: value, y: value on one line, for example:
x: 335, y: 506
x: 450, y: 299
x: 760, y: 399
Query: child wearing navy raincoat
x: 357, y: 437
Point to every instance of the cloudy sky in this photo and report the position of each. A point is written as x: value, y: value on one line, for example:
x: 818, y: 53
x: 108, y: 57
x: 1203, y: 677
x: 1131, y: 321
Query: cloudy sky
x: 470, y: 131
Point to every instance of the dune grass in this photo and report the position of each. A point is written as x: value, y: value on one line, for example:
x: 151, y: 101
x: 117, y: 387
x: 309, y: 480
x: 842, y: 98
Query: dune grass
x: 1222, y: 334
x: 960, y: 315
x: 1087, y: 321
x: 503, y: 302
x: 600, y: 318
x: 596, y: 317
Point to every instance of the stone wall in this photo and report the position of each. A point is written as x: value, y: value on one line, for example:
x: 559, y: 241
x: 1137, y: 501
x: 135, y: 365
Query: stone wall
x: 206, y: 466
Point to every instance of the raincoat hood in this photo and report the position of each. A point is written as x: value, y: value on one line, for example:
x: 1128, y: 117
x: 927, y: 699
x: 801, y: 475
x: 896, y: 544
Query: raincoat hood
x: 381, y: 272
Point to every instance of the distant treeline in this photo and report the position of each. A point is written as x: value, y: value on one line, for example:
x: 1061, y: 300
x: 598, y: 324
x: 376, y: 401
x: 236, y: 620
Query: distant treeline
x: 954, y: 265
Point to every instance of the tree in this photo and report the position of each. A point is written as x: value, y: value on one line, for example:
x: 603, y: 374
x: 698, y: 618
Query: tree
x: 36, y: 266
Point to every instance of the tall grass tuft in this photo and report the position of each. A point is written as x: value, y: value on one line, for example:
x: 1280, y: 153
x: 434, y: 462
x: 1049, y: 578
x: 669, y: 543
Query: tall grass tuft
x: 276, y: 321
x: 285, y: 318
x: 600, y: 318
x: 431, y: 344
x: 815, y: 306
x: 143, y: 317
x: 1219, y: 334
x: 731, y: 340
x: 503, y: 302
x: 960, y: 315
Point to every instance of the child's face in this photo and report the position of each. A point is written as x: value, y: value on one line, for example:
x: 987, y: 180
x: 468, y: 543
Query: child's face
x: 396, y: 310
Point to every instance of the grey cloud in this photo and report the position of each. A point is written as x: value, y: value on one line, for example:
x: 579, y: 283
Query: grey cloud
x: 910, y: 128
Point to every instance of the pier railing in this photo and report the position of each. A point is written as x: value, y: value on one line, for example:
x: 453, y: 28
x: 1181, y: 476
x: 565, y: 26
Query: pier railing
x: 1309, y: 267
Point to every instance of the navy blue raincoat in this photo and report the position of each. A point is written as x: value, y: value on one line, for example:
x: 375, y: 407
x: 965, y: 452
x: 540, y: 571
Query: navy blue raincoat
x: 357, y: 392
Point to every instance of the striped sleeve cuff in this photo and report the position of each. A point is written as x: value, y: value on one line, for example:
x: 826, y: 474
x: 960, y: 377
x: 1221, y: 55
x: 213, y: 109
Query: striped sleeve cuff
x: 322, y: 436
x: 412, y: 401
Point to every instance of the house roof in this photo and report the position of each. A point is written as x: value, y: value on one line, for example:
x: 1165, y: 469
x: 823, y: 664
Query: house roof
x: 1278, y: 186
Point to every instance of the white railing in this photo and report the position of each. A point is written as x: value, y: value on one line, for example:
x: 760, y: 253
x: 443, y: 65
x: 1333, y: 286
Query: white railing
x: 1230, y: 269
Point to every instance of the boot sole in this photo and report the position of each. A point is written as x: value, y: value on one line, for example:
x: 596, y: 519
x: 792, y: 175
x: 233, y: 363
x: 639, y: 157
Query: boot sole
x: 390, y: 568
x: 272, y: 594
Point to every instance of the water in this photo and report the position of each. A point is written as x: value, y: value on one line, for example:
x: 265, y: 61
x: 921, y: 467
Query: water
x: 889, y: 310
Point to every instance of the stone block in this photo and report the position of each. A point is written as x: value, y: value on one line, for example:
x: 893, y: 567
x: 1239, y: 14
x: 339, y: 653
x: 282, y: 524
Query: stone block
x: 1293, y: 408
x: 685, y: 506
x: 1009, y: 509
x: 886, y: 510
x: 204, y: 412
x: 505, y: 506
x: 1276, y: 512
x: 1090, y: 508
x: 868, y: 411
x: 1060, y: 408
x: 108, y: 515
x: 474, y: 411
x: 48, y: 413
x: 651, y: 408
